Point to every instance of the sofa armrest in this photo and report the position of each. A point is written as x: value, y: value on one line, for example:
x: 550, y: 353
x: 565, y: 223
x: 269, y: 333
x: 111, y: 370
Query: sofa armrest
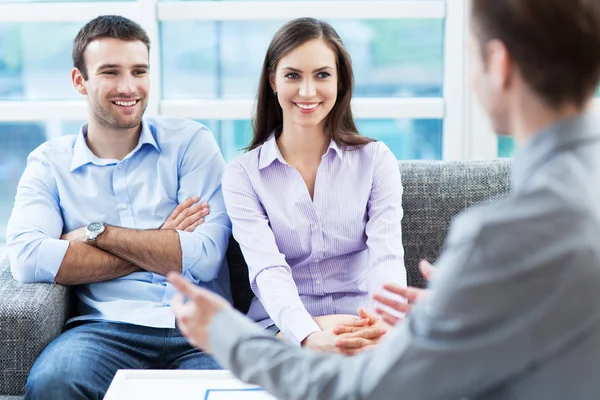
x: 31, y: 315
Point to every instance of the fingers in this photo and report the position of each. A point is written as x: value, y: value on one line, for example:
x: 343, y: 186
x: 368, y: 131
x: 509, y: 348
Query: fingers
x: 187, y: 214
x: 352, y: 352
x: 184, y: 286
x: 339, y: 330
x: 349, y: 344
x: 426, y: 269
x: 177, y: 304
x: 190, y: 215
x: 178, y: 308
x: 363, y: 313
x: 411, y: 294
x: 185, y: 204
x: 357, y: 323
x: 387, y: 317
x: 192, y: 227
x: 366, y: 333
x: 396, y: 289
x: 371, y: 333
x: 358, y: 340
x: 193, y: 220
x: 396, y: 305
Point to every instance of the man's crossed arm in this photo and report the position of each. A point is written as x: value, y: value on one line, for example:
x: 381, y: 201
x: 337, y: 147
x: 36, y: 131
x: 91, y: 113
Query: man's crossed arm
x: 122, y: 251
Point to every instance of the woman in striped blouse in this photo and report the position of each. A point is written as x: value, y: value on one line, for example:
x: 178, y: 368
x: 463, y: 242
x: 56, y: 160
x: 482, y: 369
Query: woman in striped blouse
x: 315, y: 206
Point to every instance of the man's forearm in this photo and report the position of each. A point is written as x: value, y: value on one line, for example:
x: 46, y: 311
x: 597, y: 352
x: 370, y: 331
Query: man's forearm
x: 157, y: 251
x: 256, y: 358
x: 83, y: 263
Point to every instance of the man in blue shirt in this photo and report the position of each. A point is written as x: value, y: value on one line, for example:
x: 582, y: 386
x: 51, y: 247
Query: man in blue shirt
x: 111, y: 211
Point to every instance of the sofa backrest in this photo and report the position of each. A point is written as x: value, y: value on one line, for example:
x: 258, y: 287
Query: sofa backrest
x: 434, y: 192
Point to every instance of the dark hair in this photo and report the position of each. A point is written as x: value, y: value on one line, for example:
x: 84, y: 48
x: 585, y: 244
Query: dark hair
x: 105, y: 26
x: 554, y: 43
x: 339, y: 124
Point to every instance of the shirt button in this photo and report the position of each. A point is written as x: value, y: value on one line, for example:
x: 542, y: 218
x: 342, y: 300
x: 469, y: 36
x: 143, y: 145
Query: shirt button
x: 318, y: 282
x: 124, y: 206
x: 120, y: 166
x: 317, y: 260
x: 315, y: 227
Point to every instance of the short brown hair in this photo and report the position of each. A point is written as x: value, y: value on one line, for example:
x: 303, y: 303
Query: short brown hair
x: 555, y: 43
x: 105, y: 26
x: 339, y: 124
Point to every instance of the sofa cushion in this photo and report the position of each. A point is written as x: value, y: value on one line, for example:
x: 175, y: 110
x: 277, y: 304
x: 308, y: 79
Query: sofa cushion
x: 31, y: 315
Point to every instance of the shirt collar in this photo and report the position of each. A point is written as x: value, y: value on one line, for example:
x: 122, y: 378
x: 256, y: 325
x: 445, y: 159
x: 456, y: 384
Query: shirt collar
x: 82, y: 154
x: 269, y: 151
x: 554, y: 139
x: 335, y: 147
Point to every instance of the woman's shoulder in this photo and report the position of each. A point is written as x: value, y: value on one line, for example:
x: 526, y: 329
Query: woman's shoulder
x: 369, y: 151
x: 246, y: 160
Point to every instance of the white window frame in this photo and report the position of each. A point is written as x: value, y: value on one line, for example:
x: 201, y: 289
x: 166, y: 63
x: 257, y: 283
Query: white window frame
x: 456, y: 107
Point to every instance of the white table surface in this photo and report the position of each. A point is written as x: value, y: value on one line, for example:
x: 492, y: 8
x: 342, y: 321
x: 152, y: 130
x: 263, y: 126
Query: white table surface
x: 181, y: 385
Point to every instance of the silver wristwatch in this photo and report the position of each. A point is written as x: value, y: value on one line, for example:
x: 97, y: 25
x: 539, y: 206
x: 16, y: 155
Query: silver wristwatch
x: 92, y: 231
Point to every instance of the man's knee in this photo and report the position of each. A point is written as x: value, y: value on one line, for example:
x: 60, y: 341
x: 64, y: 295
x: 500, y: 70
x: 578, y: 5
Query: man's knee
x: 56, y: 383
x: 62, y: 376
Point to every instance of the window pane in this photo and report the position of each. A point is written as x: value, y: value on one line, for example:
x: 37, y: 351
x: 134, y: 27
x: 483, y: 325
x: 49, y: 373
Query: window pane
x: 408, y: 139
x: 232, y: 136
x: 506, y: 146
x: 391, y: 58
x: 35, y: 69
x: 266, y: 0
x: 60, y: 1
x: 17, y: 140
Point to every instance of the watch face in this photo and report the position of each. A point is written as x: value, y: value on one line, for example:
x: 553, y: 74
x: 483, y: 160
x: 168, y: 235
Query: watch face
x: 95, y: 226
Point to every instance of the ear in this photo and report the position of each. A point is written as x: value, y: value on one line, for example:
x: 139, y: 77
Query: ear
x: 77, y: 79
x: 272, y: 80
x: 500, y: 64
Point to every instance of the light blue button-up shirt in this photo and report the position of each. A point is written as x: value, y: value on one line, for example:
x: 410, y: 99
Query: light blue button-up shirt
x: 65, y: 186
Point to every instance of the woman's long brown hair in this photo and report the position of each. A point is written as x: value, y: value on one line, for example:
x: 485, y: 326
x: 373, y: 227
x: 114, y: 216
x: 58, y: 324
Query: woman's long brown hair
x: 339, y: 123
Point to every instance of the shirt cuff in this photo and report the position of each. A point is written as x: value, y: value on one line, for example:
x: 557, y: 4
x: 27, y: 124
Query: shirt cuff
x: 301, y: 326
x: 50, y: 256
x: 226, y: 330
x: 189, y: 256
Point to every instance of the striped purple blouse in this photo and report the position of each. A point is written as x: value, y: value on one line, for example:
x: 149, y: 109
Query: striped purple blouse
x: 316, y: 257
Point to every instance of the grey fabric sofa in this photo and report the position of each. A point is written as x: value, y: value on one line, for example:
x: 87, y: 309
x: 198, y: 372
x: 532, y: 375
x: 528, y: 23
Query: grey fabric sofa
x: 31, y: 315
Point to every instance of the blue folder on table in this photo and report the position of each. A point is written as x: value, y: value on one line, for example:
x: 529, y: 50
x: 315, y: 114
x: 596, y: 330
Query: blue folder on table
x: 250, y: 393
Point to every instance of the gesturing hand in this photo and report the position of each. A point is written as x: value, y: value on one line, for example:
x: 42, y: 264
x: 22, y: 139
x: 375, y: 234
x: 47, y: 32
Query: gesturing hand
x: 411, y: 294
x: 195, y: 315
x: 187, y: 216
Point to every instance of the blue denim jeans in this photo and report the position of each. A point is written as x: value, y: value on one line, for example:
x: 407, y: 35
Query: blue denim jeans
x: 82, y: 361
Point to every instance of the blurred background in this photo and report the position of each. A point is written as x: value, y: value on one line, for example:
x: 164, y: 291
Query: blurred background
x: 409, y: 60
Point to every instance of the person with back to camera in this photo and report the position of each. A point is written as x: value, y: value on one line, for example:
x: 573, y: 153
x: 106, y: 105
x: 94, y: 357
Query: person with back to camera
x: 511, y: 311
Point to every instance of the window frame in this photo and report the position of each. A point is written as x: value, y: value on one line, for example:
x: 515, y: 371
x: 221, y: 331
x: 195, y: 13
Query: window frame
x: 454, y: 107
